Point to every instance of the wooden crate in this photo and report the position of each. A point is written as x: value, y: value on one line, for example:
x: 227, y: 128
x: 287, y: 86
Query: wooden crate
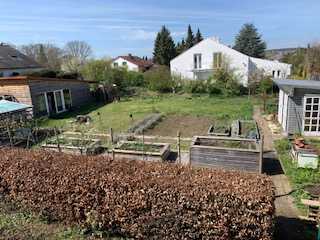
x: 219, y: 152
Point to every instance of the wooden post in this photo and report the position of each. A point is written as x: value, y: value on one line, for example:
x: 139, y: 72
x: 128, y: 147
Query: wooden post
x: 57, y: 138
x: 179, y: 147
x: 261, y: 154
x: 113, y: 155
x: 111, y: 135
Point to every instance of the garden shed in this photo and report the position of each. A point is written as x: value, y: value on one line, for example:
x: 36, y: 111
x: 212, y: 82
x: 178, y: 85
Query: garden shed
x: 47, y: 96
x: 299, y: 106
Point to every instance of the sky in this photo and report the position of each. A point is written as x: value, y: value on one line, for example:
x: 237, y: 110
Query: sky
x: 115, y: 28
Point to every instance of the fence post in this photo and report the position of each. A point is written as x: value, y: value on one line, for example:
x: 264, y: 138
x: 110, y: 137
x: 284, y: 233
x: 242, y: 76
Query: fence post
x: 179, y: 146
x: 111, y: 135
x: 113, y: 155
x: 57, y: 138
x: 261, y: 154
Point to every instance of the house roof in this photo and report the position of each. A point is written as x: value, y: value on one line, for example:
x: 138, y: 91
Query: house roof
x: 30, y: 78
x: 136, y: 60
x: 11, y: 58
x: 7, y: 106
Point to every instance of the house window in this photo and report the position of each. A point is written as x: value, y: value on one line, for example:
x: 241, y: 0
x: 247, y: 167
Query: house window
x: 217, y: 60
x: 116, y: 64
x: 1, y: 74
x: 279, y: 73
x: 197, y: 61
x: 124, y: 64
x: 311, y: 115
x: 274, y: 73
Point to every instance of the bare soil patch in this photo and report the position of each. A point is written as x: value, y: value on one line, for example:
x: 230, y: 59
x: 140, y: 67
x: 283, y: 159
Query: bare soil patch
x: 188, y: 126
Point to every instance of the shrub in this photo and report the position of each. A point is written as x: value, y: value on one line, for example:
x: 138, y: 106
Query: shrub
x: 195, y: 86
x: 159, y: 79
x: 140, y: 199
x: 227, y: 82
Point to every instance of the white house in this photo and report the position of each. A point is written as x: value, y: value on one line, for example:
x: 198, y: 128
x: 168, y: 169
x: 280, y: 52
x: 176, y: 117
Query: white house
x: 132, y: 63
x: 13, y: 62
x: 200, y: 61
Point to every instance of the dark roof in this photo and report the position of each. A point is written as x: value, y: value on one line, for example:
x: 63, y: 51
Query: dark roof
x: 11, y: 58
x: 137, y: 61
x: 289, y: 84
x: 30, y: 78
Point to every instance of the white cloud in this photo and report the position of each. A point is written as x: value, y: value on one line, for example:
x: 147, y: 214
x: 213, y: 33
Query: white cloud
x: 139, y: 35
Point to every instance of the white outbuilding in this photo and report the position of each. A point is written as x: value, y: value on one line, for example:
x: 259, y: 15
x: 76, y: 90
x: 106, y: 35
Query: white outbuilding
x: 200, y: 61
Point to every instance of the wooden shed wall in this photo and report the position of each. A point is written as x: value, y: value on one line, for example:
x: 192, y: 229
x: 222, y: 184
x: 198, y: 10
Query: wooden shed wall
x: 295, y: 110
x: 224, y: 158
x: 20, y: 90
x: 80, y: 91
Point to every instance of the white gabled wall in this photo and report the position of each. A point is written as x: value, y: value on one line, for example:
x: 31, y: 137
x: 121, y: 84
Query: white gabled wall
x: 130, y: 66
x: 243, y: 65
x: 183, y: 65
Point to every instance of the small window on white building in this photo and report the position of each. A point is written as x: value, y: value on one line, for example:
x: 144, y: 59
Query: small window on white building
x: 274, y: 73
x: 197, y: 61
x: 116, y: 64
x: 279, y: 73
x: 217, y: 60
x: 124, y: 64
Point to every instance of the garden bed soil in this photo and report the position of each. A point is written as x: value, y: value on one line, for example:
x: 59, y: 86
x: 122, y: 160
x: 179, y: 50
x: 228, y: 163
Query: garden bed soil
x: 160, y: 151
x: 187, y: 125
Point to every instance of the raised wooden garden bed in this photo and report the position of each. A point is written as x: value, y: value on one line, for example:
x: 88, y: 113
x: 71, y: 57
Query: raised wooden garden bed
x: 136, y: 150
x: 227, y: 153
x: 73, y: 145
x: 222, y: 131
x: 247, y: 129
x: 305, y: 157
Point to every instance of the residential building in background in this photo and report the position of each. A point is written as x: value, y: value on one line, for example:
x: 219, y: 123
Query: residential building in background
x: 14, y: 63
x: 132, y: 63
x: 200, y: 62
x: 278, y: 54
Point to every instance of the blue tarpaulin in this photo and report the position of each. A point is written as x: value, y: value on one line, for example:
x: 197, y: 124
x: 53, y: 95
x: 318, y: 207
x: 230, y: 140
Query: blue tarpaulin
x: 8, y: 107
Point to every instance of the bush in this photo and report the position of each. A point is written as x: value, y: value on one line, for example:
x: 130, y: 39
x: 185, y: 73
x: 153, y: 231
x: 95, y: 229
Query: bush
x: 139, y: 199
x: 195, y: 86
x: 159, y: 79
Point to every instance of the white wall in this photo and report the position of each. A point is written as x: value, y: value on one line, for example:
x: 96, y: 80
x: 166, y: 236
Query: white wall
x: 270, y: 67
x: 130, y: 66
x: 183, y: 65
x: 243, y: 65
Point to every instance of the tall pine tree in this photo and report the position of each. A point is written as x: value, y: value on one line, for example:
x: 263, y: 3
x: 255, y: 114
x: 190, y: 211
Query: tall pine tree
x: 190, y: 38
x: 198, y: 37
x: 164, y: 47
x: 181, y: 47
x: 250, y: 42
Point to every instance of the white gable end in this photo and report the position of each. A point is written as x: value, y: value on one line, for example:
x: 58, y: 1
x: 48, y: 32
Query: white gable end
x: 197, y: 63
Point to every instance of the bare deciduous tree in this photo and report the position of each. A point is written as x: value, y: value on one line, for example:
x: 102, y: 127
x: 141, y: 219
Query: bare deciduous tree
x: 48, y: 55
x: 76, y: 55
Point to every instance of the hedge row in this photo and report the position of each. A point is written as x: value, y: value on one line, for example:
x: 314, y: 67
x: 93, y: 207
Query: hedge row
x: 138, y: 199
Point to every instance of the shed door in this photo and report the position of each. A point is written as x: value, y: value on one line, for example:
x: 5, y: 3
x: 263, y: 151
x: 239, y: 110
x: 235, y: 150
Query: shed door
x: 311, y: 123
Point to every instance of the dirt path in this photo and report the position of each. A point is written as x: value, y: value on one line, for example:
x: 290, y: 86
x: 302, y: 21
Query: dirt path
x: 288, y: 225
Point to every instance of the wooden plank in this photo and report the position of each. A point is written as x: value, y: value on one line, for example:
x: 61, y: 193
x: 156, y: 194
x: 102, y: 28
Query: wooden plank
x: 311, y: 203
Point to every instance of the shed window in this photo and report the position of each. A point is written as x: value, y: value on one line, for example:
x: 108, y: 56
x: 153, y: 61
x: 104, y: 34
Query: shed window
x: 40, y: 105
x: 67, y: 98
x: 312, y: 115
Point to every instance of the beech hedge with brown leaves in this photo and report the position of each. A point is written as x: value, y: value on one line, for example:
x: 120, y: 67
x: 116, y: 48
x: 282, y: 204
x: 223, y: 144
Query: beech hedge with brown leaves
x: 138, y: 199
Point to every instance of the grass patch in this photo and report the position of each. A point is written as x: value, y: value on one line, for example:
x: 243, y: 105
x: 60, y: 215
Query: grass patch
x: 299, y: 177
x: 117, y: 115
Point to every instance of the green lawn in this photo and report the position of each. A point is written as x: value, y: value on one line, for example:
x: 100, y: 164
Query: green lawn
x: 117, y: 115
x: 299, y: 177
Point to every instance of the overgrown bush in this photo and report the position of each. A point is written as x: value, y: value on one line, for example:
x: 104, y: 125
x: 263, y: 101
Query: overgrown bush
x: 159, y: 79
x: 139, y: 199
